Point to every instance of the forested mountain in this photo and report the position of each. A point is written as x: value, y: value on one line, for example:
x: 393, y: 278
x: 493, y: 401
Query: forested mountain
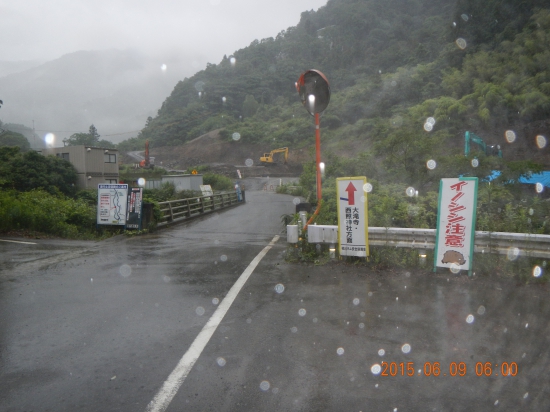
x: 391, y: 64
x: 113, y: 89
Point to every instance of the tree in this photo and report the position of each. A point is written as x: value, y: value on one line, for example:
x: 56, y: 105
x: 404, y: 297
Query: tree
x: 250, y: 106
x: 88, y: 139
x: 9, y: 138
x: 30, y: 170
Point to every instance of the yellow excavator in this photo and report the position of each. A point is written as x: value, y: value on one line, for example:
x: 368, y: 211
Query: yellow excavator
x: 267, y: 158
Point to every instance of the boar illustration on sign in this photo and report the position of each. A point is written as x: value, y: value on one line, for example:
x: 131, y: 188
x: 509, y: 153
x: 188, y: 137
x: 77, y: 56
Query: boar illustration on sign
x: 452, y: 256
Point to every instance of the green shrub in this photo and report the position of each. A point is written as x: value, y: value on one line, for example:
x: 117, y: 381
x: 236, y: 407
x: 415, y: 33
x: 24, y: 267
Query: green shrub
x: 218, y: 182
x: 40, y: 211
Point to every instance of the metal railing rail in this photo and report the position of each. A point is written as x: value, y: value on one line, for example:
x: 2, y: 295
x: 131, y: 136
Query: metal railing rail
x: 175, y: 211
x: 515, y: 244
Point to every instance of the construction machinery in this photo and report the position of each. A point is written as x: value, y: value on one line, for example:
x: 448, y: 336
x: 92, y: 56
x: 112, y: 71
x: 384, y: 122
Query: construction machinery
x: 267, y: 158
x: 493, y: 150
x: 147, y: 162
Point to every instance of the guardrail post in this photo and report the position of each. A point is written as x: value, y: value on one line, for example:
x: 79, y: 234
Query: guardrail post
x: 171, y: 213
x: 188, y: 208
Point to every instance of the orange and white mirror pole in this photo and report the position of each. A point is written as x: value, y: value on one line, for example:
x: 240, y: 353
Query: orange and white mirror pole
x: 314, y: 91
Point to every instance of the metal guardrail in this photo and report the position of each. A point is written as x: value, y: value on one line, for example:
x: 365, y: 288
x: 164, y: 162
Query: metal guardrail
x: 512, y: 244
x: 175, y: 211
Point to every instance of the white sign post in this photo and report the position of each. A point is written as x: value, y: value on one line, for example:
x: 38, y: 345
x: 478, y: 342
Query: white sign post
x: 352, y: 216
x: 111, y: 204
x: 454, y: 243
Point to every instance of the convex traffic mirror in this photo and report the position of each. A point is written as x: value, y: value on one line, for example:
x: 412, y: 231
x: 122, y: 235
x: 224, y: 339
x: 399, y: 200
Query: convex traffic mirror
x: 314, y: 91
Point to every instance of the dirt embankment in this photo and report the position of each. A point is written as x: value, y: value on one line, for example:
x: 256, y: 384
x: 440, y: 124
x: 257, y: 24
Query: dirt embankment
x: 226, y: 157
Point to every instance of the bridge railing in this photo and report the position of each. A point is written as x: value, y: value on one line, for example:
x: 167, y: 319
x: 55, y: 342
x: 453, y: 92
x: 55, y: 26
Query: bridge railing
x: 175, y: 211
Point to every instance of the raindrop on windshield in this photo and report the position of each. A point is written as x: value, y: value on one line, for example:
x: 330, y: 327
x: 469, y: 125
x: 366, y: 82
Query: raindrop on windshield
x: 376, y: 369
x: 163, y: 67
x: 223, y: 258
x: 294, y: 329
x: 410, y: 191
x: 49, y: 138
x: 539, y: 187
x: 461, y: 43
x: 541, y: 141
x: 475, y: 163
x: 249, y: 162
x: 200, y: 311
x: 236, y: 136
x: 428, y: 127
x: 141, y: 182
x: 166, y: 278
x: 406, y: 348
x: 361, y: 325
x: 470, y: 318
x: 481, y: 310
x: 510, y: 136
x: 367, y: 187
x: 125, y: 270
x: 430, y: 120
x: 464, y: 17
x: 396, y: 121
x: 279, y: 288
x: 199, y: 86
x: 340, y: 351
x: 296, y: 201
x: 215, y: 301
x: 302, y: 312
x: 431, y: 164
x: 455, y: 268
x: 537, y: 271
x: 356, y: 301
x: 526, y: 395
x: 232, y: 60
x: 381, y: 352
x: 221, y: 361
x: 224, y: 99
x: 512, y: 253
x: 265, y: 385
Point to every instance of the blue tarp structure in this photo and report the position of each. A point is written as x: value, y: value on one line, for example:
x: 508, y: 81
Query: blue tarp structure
x: 542, y: 178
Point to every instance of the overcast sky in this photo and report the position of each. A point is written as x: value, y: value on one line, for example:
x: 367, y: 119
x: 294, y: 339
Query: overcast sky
x: 201, y: 30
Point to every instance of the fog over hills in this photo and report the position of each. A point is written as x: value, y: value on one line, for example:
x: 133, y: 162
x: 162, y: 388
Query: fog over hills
x: 113, y: 89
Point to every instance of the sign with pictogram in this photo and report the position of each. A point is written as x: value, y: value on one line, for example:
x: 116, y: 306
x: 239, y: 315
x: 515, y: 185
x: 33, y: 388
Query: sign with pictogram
x: 352, y: 216
x: 454, y: 244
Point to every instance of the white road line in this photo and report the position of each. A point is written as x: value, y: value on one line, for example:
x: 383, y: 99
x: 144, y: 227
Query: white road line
x: 18, y: 241
x: 171, y: 386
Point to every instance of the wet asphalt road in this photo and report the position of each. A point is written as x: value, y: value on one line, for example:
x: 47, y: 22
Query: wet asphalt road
x: 99, y: 326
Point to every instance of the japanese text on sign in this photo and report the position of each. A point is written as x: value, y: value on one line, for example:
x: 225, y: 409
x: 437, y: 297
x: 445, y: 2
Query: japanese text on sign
x: 455, y: 229
x: 456, y: 223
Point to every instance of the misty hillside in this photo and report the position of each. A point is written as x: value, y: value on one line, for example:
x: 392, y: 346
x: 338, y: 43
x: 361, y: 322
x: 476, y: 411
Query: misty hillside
x: 115, y: 90
x: 466, y: 66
